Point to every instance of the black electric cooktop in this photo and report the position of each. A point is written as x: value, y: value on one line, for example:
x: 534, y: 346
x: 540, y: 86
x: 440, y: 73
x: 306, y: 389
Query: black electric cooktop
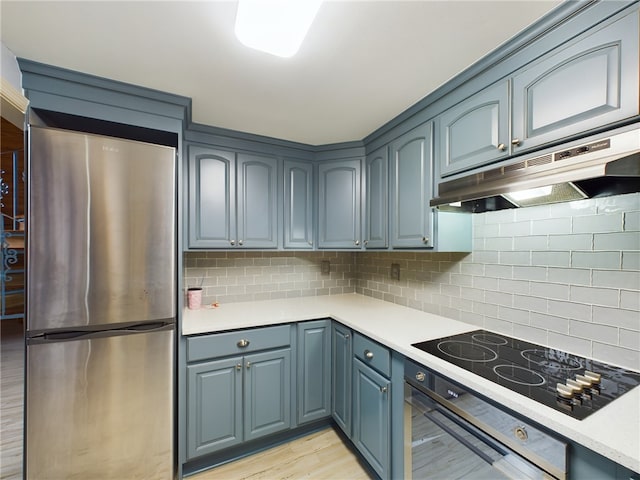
x: 574, y: 385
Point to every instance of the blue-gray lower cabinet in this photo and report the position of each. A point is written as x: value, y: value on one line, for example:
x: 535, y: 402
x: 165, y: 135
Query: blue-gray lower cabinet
x: 314, y: 370
x: 372, y: 417
x: 237, y: 399
x: 341, y: 367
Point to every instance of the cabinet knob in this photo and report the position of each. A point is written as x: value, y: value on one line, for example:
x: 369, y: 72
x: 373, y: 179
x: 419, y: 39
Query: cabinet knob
x: 241, y: 242
x: 347, y: 336
x: 248, y: 365
x: 368, y: 354
x: 357, y: 242
x: 243, y: 343
x: 239, y: 366
x: 383, y: 389
x: 366, y: 242
x: 310, y: 243
x: 425, y: 239
x: 502, y: 147
x: 515, y: 142
x: 232, y: 242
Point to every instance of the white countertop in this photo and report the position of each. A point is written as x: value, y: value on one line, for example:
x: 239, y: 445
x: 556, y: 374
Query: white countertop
x: 613, y: 431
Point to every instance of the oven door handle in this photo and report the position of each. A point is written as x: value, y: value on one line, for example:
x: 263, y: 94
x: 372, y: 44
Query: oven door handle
x: 469, y: 428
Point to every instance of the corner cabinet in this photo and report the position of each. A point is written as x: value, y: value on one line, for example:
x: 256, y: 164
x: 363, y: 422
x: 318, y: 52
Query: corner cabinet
x: 298, y: 205
x: 376, y: 199
x: 410, y: 193
x: 341, y: 366
x: 232, y: 199
x: 339, y: 204
x: 314, y: 370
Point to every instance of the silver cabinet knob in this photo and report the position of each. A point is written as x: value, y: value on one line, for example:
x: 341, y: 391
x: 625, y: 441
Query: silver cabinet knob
x: 502, y: 147
x: 357, y: 242
x: 366, y: 242
x: 310, y: 243
x: 383, y: 389
x: 425, y: 239
x: 248, y: 365
x: 233, y: 242
x: 521, y: 433
x: 243, y: 343
x: 515, y: 142
x: 420, y: 376
x: 368, y: 354
x: 239, y: 366
x: 241, y: 242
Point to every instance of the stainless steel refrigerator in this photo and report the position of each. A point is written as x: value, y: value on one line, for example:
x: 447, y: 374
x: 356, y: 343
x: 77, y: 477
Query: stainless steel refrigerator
x: 101, y: 305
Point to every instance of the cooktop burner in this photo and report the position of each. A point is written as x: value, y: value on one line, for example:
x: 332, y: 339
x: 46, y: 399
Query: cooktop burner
x: 569, y: 383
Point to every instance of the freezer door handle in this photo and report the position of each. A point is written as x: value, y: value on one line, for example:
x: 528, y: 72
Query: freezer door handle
x: 78, y: 334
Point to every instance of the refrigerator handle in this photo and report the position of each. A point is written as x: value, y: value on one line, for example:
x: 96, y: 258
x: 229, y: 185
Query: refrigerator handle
x: 77, y: 334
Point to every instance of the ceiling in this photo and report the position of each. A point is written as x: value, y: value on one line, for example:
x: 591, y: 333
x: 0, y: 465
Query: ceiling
x: 362, y: 63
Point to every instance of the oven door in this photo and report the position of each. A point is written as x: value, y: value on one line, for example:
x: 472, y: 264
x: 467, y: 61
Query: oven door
x: 441, y: 445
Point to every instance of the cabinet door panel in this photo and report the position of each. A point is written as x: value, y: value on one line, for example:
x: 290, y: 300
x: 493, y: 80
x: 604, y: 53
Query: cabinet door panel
x: 376, y: 200
x: 212, y: 220
x: 411, y: 224
x: 471, y: 132
x: 372, y: 417
x: 314, y: 370
x: 257, y: 201
x: 587, y: 85
x: 267, y: 404
x: 342, y: 355
x: 298, y: 205
x: 339, y: 204
x: 214, y: 418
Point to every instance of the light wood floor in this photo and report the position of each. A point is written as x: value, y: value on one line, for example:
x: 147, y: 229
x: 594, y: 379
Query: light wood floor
x: 322, y: 455
x: 11, y: 394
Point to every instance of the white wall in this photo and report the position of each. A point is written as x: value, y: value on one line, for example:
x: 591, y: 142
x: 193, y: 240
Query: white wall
x: 9, y: 70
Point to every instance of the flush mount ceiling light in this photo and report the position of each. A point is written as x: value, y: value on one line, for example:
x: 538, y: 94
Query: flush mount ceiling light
x: 277, y: 27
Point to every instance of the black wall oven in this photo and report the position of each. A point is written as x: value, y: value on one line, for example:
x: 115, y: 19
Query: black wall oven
x: 452, y: 433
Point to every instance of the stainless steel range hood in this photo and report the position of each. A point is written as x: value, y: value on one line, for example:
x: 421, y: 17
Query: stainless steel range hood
x: 606, y: 165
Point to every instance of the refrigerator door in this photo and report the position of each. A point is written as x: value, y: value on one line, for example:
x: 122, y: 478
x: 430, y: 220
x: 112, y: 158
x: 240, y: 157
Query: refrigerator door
x: 102, y: 236
x: 101, y: 408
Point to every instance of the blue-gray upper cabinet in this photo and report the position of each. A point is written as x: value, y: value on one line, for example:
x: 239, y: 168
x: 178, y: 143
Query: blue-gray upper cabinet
x: 588, y: 84
x: 476, y: 131
x: 298, y: 205
x: 314, y: 370
x: 339, y: 204
x: 232, y: 199
x: 410, y: 192
x: 376, y: 199
x: 341, y: 363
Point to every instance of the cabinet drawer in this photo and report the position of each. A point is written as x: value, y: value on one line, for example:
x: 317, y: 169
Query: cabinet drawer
x: 229, y: 343
x: 372, y: 354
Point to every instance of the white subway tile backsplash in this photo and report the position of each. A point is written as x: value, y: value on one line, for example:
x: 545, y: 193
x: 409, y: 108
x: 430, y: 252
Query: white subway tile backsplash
x: 616, y: 279
x: 528, y: 276
x: 617, y: 241
x: 551, y: 259
x: 571, y: 242
x: 607, y: 297
x: 551, y: 226
x: 617, y: 317
x: 623, y: 357
x: 598, y: 223
x: 596, y: 260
